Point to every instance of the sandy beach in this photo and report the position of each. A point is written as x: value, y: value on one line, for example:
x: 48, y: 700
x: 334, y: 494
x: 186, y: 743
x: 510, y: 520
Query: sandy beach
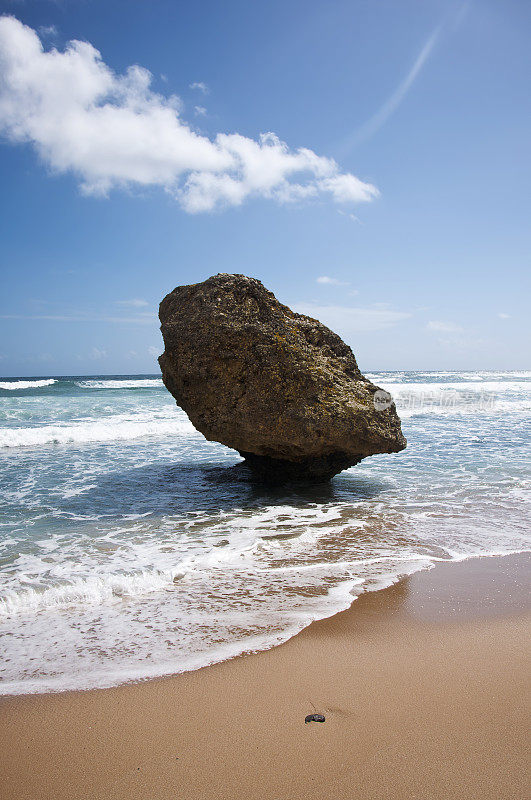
x: 424, y: 686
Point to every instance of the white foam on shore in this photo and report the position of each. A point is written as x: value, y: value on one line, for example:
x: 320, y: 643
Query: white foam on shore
x: 16, y: 385
x: 93, y: 590
x: 338, y: 598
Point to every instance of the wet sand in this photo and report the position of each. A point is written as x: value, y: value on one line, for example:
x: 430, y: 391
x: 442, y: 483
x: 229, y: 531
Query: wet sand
x: 424, y: 687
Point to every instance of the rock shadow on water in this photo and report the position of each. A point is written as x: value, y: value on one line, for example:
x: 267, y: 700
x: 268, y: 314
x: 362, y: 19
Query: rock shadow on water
x: 163, y: 488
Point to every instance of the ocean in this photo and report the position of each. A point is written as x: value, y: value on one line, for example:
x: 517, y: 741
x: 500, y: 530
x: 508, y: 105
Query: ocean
x: 129, y: 549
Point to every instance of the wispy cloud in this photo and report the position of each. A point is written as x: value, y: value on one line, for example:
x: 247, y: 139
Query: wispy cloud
x: 461, y: 342
x: 135, y: 302
x: 353, y: 217
x: 353, y: 320
x: 452, y: 20
x: 47, y: 30
x: 200, y: 86
x: 503, y: 315
x: 331, y: 281
x: 200, y: 111
x: 444, y: 327
x: 452, y: 336
x: 114, y: 131
x: 388, y: 108
x: 141, y: 319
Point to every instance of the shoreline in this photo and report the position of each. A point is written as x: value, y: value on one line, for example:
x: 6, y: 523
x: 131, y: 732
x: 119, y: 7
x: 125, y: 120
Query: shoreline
x: 132, y: 679
x: 422, y: 685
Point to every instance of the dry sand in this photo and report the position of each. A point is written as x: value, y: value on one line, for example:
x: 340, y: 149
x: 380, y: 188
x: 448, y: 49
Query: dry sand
x: 424, y: 687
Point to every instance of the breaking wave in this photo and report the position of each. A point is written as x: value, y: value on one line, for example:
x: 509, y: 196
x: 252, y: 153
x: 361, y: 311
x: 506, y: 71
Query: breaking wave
x: 105, y: 430
x: 16, y: 385
x: 140, y: 383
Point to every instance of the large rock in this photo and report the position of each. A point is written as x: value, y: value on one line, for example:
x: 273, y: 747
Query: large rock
x: 279, y: 387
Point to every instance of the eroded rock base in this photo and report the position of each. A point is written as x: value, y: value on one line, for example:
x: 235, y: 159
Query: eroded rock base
x: 278, y: 471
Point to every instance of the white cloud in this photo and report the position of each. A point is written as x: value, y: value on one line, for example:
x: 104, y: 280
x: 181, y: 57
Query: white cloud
x: 114, y: 131
x: 135, y: 302
x: 352, y: 320
x: 444, y: 327
x: 48, y: 30
x: 202, y: 87
x: 200, y: 111
x: 502, y: 315
x: 97, y: 353
x: 331, y: 281
x: 154, y: 351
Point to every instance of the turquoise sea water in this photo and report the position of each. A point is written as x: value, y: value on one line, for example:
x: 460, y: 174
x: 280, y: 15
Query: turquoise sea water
x: 129, y: 550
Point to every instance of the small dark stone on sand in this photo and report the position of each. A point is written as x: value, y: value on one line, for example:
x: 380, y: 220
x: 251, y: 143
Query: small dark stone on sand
x: 314, y: 718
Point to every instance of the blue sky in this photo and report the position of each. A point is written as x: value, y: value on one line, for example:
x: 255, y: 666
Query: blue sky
x: 397, y: 211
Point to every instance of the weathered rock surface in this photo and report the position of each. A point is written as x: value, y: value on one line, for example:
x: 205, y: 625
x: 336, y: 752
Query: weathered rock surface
x: 279, y: 387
